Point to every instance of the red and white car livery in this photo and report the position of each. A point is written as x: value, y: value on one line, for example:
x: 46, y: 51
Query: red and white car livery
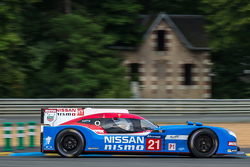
x: 100, y: 121
x: 57, y: 116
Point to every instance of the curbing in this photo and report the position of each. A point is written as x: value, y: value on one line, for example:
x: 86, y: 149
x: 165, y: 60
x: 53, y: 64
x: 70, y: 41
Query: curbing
x: 5, y: 153
x: 38, y: 154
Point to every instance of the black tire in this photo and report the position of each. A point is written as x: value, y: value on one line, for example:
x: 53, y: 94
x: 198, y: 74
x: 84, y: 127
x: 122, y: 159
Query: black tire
x: 69, y: 143
x: 203, y: 143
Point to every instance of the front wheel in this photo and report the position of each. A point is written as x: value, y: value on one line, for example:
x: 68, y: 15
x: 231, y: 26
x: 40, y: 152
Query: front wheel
x: 203, y: 143
x: 69, y: 143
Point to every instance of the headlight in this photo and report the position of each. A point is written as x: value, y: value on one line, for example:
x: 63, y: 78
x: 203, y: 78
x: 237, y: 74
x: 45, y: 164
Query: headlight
x: 231, y: 132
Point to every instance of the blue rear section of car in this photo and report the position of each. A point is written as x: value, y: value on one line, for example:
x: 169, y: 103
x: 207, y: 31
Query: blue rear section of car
x: 171, y: 139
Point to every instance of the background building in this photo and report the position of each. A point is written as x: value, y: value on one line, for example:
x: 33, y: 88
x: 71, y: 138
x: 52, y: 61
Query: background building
x: 174, y: 59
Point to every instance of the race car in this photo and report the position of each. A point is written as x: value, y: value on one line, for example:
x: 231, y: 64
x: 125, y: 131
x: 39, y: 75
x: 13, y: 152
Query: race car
x: 74, y: 131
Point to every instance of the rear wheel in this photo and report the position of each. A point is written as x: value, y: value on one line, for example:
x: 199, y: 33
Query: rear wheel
x: 69, y: 143
x: 203, y: 143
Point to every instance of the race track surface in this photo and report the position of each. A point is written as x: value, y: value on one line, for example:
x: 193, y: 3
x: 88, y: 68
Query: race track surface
x: 124, y: 162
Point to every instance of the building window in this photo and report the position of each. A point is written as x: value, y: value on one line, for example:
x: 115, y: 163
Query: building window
x: 188, y: 74
x: 134, y: 71
x: 161, y: 40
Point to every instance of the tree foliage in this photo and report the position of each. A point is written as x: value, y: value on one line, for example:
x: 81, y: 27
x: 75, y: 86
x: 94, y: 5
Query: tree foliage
x: 89, y: 66
x: 117, y: 18
x: 70, y: 56
x: 59, y: 48
x: 171, y: 6
x: 228, y: 31
x: 11, y: 74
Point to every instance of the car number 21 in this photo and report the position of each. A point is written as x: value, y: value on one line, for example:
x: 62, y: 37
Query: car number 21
x: 153, y: 144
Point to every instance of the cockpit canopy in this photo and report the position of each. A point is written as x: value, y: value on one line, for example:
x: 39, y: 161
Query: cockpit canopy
x: 118, y: 122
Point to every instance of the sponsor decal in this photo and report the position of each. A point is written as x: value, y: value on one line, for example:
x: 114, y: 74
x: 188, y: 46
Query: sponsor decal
x: 172, y: 146
x: 98, y: 131
x: 149, y: 136
x: 48, y: 147
x: 181, y: 149
x: 80, y: 112
x: 48, y: 140
x: 126, y: 143
x: 124, y: 147
x: 67, y: 109
x: 153, y: 144
x: 66, y: 114
x: 176, y: 137
x: 70, y: 112
x: 50, y: 118
x: 50, y: 111
x: 230, y: 151
x: 124, y: 139
x: 93, y: 148
x: 232, y: 143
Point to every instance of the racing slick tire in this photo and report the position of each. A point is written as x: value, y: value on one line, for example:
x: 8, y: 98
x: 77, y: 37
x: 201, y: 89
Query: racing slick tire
x: 203, y: 143
x: 69, y: 143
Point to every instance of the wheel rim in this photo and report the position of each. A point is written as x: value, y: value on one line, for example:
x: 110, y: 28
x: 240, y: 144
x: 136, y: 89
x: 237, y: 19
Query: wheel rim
x: 69, y: 143
x: 204, y: 143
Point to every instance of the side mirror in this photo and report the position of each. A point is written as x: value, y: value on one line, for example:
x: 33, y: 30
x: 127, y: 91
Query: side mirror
x: 158, y: 130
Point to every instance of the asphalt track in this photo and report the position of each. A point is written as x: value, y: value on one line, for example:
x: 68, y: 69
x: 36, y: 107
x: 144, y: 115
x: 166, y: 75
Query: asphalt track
x: 165, y: 118
x: 29, y: 158
x: 124, y: 161
x: 37, y: 159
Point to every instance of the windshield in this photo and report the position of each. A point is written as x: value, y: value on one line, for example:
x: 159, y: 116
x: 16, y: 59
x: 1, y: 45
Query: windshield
x: 124, y: 123
x: 145, y: 124
x: 134, y: 125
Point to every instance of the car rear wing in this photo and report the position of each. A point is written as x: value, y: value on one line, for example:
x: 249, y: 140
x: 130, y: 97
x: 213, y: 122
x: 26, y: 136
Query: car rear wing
x: 57, y: 116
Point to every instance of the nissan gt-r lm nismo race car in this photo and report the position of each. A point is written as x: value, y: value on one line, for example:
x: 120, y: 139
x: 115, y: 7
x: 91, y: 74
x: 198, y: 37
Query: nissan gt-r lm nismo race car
x: 74, y: 131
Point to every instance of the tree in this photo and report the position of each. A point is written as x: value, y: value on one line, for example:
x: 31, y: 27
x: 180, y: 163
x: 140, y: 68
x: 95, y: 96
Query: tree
x: 90, y: 67
x: 171, y: 6
x: 11, y: 74
x: 118, y: 19
x: 59, y: 48
x: 70, y: 56
x: 228, y: 31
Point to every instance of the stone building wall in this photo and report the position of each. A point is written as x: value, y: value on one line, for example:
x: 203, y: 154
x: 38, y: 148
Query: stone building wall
x: 162, y: 73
